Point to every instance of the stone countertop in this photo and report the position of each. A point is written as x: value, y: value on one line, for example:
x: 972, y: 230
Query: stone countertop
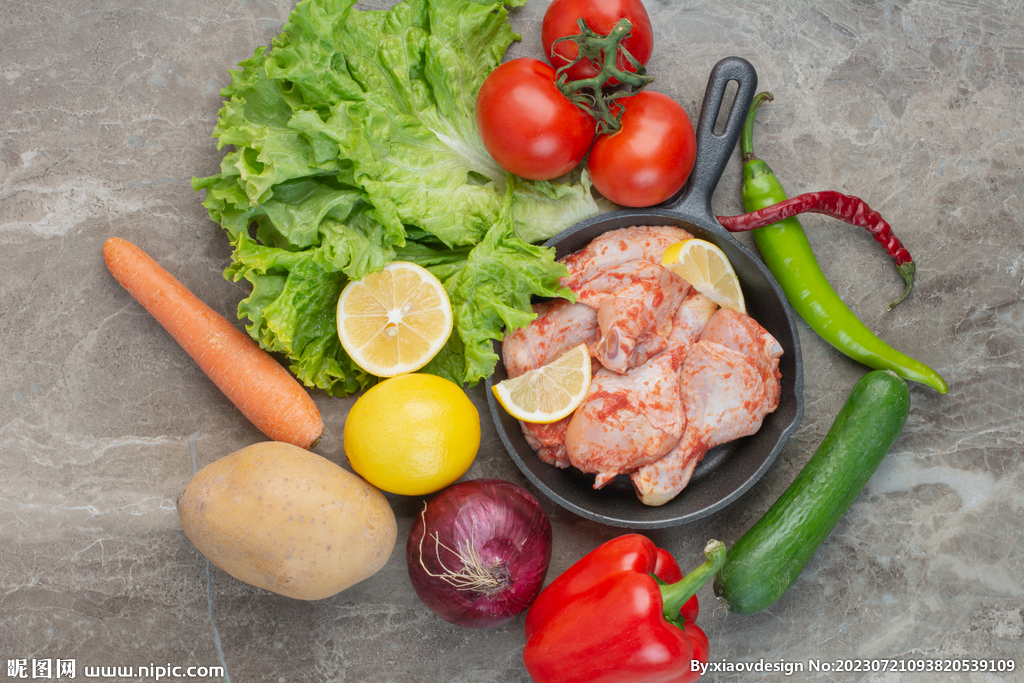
x: 107, y: 110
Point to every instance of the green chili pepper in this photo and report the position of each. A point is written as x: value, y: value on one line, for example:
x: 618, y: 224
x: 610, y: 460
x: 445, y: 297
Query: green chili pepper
x: 788, y: 255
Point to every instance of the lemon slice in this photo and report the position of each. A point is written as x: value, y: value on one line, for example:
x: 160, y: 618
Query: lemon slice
x: 707, y: 268
x: 394, y: 321
x: 548, y: 393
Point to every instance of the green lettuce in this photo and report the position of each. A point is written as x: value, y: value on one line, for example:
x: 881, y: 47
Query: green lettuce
x: 352, y: 142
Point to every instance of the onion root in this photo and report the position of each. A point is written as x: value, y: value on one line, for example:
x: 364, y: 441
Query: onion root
x: 474, y: 576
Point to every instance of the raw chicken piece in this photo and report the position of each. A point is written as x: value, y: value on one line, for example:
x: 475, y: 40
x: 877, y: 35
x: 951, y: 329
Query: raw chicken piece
x: 742, y: 333
x: 559, y: 326
x: 727, y: 392
x: 690, y: 319
x: 628, y: 420
x: 620, y: 275
x: 639, y: 317
x: 548, y: 440
x: 616, y: 248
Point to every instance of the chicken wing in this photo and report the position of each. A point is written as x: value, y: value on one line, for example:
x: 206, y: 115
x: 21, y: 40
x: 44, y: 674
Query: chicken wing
x: 559, y: 326
x: 673, y: 375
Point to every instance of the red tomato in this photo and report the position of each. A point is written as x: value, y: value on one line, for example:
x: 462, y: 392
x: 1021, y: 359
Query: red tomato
x: 601, y: 16
x: 527, y: 125
x: 649, y: 159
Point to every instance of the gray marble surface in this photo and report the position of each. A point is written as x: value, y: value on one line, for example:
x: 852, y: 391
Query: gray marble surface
x: 106, y: 111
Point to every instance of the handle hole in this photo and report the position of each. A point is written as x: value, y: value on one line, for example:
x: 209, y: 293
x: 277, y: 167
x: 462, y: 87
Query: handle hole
x: 725, y: 110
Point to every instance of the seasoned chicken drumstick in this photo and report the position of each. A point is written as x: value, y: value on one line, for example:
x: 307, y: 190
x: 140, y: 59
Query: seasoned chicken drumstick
x: 730, y: 381
x: 636, y: 418
x: 627, y: 420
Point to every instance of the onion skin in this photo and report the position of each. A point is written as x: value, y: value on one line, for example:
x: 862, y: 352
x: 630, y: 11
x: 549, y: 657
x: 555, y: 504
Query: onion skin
x: 479, y: 551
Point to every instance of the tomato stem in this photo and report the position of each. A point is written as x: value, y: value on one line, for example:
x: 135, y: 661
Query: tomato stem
x: 590, y: 94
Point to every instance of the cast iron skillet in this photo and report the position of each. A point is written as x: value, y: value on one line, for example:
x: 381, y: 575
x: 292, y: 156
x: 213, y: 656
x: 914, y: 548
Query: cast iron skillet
x: 727, y: 471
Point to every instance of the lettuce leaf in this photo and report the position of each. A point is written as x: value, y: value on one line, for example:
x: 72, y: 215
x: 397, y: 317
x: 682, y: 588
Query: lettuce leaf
x: 353, y: 143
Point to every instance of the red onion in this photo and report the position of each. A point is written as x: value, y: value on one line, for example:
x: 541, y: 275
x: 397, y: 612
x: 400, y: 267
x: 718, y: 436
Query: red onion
x: 479, y: 551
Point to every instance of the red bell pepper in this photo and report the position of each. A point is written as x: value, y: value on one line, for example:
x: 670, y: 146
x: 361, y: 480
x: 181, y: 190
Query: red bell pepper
x: 622, y: 614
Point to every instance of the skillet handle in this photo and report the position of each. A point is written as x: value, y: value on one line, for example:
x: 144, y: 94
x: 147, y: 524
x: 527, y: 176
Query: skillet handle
x: 713, y: 150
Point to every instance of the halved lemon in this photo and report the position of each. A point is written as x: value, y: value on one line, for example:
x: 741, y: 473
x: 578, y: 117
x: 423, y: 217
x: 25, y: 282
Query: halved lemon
x: 394, y: 321
x: 548, y: 393
x: 707, y: 268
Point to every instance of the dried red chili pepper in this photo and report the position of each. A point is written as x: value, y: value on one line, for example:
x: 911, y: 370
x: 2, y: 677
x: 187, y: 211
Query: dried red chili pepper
x: 852, y: 210
x: 789, y: 257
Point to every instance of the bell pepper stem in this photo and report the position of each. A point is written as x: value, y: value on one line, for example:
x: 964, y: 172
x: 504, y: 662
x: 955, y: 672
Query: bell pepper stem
x: 675, y: 595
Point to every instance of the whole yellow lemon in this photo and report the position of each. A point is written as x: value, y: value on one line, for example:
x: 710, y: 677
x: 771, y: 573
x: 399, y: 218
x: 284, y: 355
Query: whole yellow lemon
x: 412, y: 434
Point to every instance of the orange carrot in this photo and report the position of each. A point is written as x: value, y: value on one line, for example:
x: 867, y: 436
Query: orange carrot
x: 258, y: 385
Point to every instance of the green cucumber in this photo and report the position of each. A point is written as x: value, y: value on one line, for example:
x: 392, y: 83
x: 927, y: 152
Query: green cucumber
x: 763, y: 564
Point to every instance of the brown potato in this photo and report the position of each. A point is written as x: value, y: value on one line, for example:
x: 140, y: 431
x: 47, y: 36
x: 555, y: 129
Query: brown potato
x: 287, y: 520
